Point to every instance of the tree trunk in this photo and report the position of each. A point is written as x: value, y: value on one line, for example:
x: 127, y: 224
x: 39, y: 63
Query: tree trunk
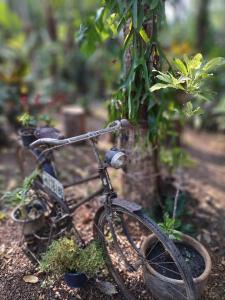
x: 203, y: 25
x: 141, y: 179
x: 52, y: 31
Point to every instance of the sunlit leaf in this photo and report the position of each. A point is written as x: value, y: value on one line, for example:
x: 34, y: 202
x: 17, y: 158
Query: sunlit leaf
x: 144, y: 35
x: 180, y: 66
x: 159, y: 86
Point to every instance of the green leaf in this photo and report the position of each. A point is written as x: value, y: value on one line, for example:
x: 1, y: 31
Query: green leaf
x: 141, y: 15
x: 144, y: 35
x: 190, y: 112
x: 159, y: 86
x: 165, y: 78
x: 121, y: 23
x: 154, y: 4
x: 99, y: 14
x: 214, y: 63
x: 127, y: 39
x: 180, y: 66
x: 196, y: 61
x: 135, y: 13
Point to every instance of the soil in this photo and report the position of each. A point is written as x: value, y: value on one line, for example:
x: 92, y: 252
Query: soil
x: 165, y: 265
x: 205, y: 181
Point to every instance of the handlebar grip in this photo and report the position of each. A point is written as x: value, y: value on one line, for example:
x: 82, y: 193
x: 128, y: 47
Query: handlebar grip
x: 48, y: 141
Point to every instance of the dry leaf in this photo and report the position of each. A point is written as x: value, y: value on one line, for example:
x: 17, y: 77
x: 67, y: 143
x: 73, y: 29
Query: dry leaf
x: 30, y: 278
x: 2, y: 215
x: 2, y: 250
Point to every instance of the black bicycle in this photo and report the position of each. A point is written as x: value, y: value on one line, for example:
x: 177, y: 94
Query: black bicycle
x: 120, y: 225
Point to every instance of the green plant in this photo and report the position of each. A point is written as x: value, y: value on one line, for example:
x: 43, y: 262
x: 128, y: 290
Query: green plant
x: 189, y: 76
x: 169, y: 226
x: 136, y: 78
x: 46, y: 119
x: 26, y: 120
x: 64, y: 255
x: 174, y: 158
x: 19, y: 194
x: 142, y: 63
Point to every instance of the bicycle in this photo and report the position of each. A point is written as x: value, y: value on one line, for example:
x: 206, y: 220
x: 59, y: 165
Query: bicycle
x: 119, y: 225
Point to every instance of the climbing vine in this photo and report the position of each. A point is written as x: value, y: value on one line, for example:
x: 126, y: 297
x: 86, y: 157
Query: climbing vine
x: 145, y: 94
x: 139, y: 21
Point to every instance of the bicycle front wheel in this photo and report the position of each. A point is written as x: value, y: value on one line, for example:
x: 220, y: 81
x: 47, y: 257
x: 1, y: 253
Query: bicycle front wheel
x: 122, y: 235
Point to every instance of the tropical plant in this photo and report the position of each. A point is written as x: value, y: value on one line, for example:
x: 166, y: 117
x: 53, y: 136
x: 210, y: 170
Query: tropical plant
x: 169, y: 227
x: 109, y: 21
x: 26, y: 120
x: 189, y: 76
x: 19, y: 195
x: 64, y: 255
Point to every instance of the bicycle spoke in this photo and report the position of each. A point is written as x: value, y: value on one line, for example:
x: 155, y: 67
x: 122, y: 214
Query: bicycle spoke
x: 152, y: 248
x: 165, y: 268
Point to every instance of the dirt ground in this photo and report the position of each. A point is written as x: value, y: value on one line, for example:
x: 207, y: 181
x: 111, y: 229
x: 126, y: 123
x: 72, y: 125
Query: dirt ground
x: 206, y: 182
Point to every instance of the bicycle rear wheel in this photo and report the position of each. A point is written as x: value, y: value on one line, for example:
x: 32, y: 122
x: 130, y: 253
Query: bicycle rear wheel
x: 122, y: 235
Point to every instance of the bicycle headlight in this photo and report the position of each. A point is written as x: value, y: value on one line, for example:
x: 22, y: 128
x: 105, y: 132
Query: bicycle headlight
x: 115, y: 158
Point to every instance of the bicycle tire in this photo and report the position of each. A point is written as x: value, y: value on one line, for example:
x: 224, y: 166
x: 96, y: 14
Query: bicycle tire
x: 99, y: 223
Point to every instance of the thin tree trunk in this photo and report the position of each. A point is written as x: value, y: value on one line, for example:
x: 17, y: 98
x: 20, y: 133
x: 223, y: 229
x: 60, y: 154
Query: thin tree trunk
x: 52, y: 31
x: 140, y: 177
x: 203, y: 25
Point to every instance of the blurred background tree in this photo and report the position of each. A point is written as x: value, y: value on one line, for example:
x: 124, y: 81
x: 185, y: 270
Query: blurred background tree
x: 40, y: 58
x: 62, y: 51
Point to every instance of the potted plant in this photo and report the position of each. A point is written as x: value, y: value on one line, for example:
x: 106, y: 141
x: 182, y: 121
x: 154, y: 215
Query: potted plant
x: 46, y: 128
x: 30, y: 216
x: 29, y: 211
x: 28, y: 128
x: 159, y: 279
x: 64, y: 257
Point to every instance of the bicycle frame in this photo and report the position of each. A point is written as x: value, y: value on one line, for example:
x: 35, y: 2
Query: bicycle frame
x: 46, y: 164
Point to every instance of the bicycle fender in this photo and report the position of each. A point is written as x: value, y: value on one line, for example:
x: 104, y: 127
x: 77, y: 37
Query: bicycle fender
x: 130, y: 206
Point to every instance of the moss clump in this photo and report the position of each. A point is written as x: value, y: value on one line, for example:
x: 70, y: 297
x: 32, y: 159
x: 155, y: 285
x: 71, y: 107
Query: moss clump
x: 64, y: 255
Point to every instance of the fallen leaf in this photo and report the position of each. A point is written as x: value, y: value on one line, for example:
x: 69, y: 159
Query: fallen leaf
x: 2, y: 250
x: 2, y: 215
x: 106, y: 287
x: 30, y: 279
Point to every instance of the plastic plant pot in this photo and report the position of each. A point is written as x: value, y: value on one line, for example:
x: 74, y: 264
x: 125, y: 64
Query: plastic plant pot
x: 75, y: 279
x: 27, y: 136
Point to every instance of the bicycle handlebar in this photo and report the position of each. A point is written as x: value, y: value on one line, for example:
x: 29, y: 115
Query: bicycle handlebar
x: 114, y: 126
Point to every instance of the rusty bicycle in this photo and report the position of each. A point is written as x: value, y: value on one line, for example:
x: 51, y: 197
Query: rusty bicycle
x: 121, y: 226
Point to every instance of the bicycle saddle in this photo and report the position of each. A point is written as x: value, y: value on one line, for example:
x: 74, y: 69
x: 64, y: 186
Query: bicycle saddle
x: 48, y: 132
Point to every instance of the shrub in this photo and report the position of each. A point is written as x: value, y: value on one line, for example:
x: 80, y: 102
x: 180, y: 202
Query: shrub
x: 64, y: 255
